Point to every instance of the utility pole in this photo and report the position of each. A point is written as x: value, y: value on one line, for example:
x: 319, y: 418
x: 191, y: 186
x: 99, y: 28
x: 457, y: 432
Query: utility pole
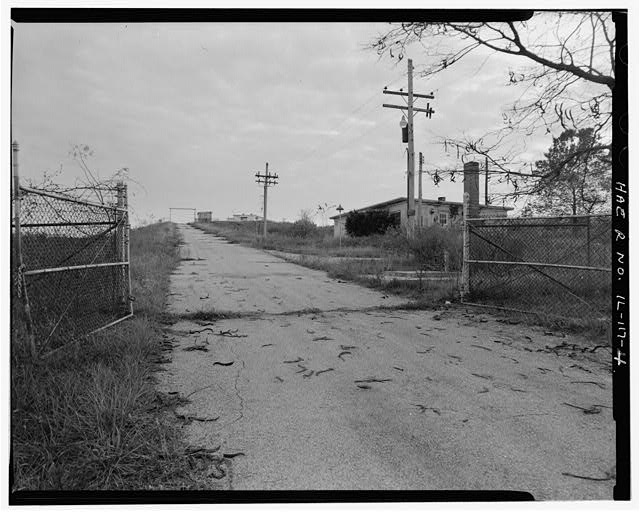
x: 267, y: 179
x: 420, y: 163
x: 411, y: 110
x: 411, y: 196
x: 486, y: 180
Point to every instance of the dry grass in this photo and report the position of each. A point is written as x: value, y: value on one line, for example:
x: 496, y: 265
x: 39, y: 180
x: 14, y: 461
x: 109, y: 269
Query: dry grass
x: 89, y: 418
x: 392, y: 252
x: 321, y: 242
x: 365, y: 259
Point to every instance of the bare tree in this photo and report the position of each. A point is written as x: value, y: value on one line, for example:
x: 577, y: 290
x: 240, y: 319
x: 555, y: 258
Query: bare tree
x: 567, y: 80
x: 89, y: 187
x: 323, y: 210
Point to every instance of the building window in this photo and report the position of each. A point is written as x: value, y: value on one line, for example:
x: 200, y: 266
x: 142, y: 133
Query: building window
x: 443, y: 219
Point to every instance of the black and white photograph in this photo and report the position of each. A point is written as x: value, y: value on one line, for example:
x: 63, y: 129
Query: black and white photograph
x: 327, y: 255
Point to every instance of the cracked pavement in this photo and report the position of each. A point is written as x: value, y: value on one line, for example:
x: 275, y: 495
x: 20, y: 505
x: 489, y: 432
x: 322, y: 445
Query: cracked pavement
x: 335, y: 386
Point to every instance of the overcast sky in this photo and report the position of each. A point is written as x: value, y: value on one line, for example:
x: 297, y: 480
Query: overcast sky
x: 194, y: 110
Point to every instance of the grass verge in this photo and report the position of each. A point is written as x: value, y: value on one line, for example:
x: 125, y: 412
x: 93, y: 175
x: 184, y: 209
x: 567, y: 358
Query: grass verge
x: 89, y: 417
x: 370, y: 273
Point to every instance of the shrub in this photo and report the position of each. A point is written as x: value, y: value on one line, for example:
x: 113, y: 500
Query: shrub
x: 429, y: 245
x: 370, y: 222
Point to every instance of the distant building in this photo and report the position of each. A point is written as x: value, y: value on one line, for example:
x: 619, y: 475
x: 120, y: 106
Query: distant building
x: 243, y: 217
x: 434, y: 212
x: 204, y: 216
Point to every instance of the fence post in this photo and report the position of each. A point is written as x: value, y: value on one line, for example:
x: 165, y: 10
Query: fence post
x: 588, y: 241
x: 128, y: 248
x: 120, y: 240
x: 464, y: 292
x: 21, y: 284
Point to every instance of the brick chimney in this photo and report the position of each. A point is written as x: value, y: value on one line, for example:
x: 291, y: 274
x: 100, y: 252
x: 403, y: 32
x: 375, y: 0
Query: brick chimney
x: 472, y: 187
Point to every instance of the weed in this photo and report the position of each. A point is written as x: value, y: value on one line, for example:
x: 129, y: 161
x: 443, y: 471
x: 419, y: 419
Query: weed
x: 367, y: 260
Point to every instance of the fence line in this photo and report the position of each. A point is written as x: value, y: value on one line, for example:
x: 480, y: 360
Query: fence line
x: 535, y: 264
x: 504, y: 258
x: 72, y: 276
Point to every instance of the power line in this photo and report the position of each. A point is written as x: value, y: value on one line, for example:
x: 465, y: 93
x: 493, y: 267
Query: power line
x: 346, y: 119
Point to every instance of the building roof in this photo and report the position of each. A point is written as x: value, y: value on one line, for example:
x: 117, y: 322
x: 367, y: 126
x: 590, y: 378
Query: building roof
x: 397, y: 200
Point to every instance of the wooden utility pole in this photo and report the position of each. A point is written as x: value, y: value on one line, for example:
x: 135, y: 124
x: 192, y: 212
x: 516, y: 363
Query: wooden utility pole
x: 264, y: 198
x: 486, y: 180
x: 411, y: 110
x: 268, y: 179
x: 411, y: 196
x: 420, y: 164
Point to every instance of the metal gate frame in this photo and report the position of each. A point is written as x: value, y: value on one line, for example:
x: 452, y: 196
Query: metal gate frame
x: 121, y: 225
x: 536, y: 267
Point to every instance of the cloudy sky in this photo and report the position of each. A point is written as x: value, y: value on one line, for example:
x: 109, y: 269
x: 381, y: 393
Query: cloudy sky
x: 193, y: 110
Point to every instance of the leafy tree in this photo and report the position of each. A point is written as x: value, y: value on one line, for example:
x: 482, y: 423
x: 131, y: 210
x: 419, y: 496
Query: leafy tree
x: 567, y: 79
x: 575, y: 181
x: 369, y: 222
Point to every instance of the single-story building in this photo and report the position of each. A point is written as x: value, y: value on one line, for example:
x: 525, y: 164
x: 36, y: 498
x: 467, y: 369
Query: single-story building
x: 438, y: 211
x: 204, y: 216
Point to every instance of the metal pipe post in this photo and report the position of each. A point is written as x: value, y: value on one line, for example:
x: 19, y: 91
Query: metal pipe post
x: 128, y: 247
x: 588, y: 241
x: 465, y: 247
x: 120, y: 241
x: 420, y: 162
x: 21, y: 284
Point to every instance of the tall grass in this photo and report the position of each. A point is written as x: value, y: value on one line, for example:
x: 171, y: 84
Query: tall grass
x: 88, y: 417
x: 282, y: 236
x: 362, y: 259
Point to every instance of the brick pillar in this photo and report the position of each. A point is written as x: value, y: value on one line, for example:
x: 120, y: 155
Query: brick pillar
x: 472, y: 187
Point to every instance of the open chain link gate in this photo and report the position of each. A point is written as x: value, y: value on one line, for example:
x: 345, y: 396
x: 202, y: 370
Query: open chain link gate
x: 70, y: 264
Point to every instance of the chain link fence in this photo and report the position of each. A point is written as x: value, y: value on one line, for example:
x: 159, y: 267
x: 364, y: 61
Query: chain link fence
x: 550, y: 266
x: 71, y: 261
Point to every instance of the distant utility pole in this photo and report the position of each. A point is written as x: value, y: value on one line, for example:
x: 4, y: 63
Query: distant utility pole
x: 420, y: 164
x: 411, y: 110
x: 268, y: 179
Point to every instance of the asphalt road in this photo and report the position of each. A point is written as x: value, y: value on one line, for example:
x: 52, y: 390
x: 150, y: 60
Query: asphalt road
x: 321, y: 384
